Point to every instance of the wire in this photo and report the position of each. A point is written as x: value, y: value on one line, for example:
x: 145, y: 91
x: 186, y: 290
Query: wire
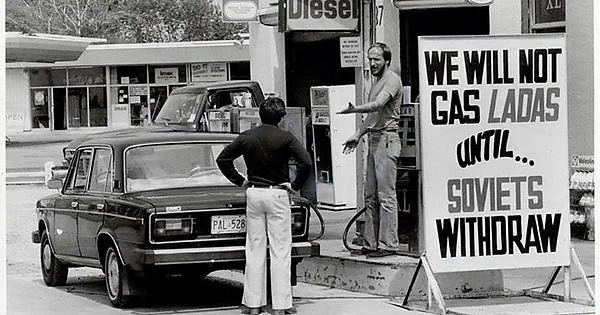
x: 321, y: 221
x: 347, y: 228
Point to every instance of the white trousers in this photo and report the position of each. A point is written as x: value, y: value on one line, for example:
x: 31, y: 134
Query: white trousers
x: 268, y: 212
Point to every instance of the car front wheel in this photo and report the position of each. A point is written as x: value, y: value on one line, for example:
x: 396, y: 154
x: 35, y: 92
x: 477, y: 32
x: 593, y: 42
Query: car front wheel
x: 115, y: 277
x: 54, y: 272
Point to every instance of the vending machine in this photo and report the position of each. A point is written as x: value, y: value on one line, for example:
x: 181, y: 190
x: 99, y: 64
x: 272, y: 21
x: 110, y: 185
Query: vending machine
x: 335, y: 172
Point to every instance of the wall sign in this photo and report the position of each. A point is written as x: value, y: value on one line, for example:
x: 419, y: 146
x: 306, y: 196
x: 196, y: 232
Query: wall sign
x: 240, y: 10
x: 350, y: 52
x: 166, y: 75
x: 209, y: 72
x: 548, y: 13
x: 496, y: 177
x: 322, y: 14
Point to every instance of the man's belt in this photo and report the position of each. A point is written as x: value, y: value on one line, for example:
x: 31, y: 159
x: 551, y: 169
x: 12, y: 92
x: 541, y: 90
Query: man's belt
x: 267, y: 186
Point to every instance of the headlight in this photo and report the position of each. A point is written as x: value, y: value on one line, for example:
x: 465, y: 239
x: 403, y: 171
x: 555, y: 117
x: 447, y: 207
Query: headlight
x: 173, y: 227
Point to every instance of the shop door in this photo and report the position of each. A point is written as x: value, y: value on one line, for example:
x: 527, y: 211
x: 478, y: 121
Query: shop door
x: 78, y: 114
x: 447, y: 21
x: 158, y: 96
x: 40, y: 109
x: 59, y: 97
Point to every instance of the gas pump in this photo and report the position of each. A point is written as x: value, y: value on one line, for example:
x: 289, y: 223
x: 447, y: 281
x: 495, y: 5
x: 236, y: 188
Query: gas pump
x: 335, y: 172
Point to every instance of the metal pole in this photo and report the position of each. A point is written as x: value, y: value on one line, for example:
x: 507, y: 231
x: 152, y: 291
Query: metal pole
x: 412, y: 282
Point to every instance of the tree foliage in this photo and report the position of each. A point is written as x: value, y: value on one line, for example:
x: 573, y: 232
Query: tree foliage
x: 142, y: 21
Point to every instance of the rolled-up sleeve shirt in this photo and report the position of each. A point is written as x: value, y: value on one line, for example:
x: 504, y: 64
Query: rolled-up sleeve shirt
x: 267, y: 151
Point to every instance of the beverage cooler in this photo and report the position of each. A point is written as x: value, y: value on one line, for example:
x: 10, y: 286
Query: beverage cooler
x: 335, y: 172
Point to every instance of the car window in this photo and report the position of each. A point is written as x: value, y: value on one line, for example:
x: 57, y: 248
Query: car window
x: 101, y: 175
x: 175, y: 165
x: 180, y: 108
x: 231, y: 98
x: 80, y: 174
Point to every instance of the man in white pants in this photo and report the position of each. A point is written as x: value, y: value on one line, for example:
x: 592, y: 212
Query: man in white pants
x: 267, y: 150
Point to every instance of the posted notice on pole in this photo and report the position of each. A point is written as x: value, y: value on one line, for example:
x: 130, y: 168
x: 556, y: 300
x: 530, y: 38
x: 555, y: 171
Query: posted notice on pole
x: 494, y: 151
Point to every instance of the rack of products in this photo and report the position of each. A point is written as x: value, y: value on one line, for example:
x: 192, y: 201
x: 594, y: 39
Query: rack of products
x: 581, y: 191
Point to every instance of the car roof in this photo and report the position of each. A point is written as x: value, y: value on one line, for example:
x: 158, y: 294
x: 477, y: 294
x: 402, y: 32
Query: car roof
x: 200, y: 88
x: 158, y: 136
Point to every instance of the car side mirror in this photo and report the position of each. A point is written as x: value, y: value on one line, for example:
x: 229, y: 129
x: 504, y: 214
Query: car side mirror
x: 55, y: 184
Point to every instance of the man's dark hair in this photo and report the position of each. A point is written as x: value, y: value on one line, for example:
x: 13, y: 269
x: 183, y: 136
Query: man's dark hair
x: 387, y: 52
x: 271, y: 110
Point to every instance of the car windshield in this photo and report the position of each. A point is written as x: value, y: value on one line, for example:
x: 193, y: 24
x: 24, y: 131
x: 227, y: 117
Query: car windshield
x: 175, y: 165
x: 180, y: 108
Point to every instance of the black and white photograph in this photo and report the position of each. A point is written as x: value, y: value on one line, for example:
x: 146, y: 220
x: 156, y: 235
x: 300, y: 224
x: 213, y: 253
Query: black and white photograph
x: 335, y: 157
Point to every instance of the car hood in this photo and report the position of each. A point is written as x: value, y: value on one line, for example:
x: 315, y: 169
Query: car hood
x: 196, y: 198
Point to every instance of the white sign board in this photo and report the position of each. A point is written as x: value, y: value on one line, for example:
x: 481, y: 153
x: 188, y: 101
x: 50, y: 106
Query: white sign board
x: 350, y: 52
x: 166, y: 75
x: 494, y: 151
x: 240, y: 10
x: 322, y: 15
x: 209, y: 72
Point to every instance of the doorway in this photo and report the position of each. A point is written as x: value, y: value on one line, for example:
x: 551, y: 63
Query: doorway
x: 446, y: 21
x: 59, y: 109
x: 158, y: 96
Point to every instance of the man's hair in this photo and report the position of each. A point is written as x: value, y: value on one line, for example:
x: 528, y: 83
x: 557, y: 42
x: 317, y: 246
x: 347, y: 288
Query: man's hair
x: 271, y: 110
x: 387, y: 52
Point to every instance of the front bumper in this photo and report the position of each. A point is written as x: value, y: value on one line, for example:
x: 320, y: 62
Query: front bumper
x: 213, y: 255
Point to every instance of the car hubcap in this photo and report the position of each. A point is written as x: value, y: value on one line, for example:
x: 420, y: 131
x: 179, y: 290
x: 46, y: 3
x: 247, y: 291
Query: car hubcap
x: 47, y: 257
x: 112, y: 274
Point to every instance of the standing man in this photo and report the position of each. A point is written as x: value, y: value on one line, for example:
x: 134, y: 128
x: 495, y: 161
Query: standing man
x: 382, y: 123
x: 267, y: 150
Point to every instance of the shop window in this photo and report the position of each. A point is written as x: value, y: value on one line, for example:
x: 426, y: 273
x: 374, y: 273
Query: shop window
x: 39, y: 110
x: 239, y: 70
x: 98, y: 107
x: 547, y: 16
x: 128, y: 75
x: 167, y: 74
x: 48, y: 77
x: 87, y: 76
x: 78, y: 107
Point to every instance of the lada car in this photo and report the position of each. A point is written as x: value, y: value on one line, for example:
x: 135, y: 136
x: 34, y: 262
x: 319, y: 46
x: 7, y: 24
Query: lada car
x: 150, y: 204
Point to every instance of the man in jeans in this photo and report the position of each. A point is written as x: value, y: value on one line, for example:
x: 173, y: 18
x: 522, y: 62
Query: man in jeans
x: 267, y: 150
x: 382, y: 123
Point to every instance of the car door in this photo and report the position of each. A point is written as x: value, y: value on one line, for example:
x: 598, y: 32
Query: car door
x: 92, y: 202
x: 67, y: 205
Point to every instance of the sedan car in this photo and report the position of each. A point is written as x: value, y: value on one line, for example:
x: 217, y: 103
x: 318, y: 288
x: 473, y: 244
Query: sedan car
x: 150, y: 204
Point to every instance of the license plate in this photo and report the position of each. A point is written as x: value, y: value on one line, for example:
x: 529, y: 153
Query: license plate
x: 225, y: 224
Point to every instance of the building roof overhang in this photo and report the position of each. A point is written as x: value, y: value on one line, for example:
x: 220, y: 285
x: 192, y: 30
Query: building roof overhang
x: 45, y: 48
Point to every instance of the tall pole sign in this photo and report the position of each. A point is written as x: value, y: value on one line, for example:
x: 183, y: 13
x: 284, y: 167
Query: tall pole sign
x: 494, y: 151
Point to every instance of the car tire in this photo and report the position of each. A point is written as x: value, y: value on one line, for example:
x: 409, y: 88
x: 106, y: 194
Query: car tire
x: 54, y: 272
x: 114, y: 275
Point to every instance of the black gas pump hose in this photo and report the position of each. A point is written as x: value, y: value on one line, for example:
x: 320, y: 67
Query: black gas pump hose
x: 321, y: 221
x: 347, y: 228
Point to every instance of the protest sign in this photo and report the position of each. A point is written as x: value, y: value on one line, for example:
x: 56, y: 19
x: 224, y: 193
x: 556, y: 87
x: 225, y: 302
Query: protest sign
x: 494, y: 151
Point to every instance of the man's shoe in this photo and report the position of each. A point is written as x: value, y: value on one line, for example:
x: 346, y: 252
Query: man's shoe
x: 381, y: 253
x: 291, y: 310
x: 254, y: 310
x: 362, y: 251
x: 278, y: 312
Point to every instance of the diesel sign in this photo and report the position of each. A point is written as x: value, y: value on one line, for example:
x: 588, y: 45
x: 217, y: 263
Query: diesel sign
x: 322, y: 14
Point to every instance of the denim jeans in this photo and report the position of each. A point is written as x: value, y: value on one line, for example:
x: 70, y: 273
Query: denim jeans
x: 268, y: 213
x: 381, y: 216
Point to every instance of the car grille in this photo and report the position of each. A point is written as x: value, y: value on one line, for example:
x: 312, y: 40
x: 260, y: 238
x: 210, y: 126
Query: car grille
x: 194, y: 226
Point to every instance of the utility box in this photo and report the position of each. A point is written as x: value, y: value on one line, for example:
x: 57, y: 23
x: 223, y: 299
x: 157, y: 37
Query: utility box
x: 335, y: 172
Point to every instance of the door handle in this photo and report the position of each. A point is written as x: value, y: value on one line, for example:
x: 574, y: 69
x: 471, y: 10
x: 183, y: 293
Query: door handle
x: 100, y: 206
x: 74, y: 204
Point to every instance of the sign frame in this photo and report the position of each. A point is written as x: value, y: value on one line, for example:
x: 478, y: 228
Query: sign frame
x: 443, y: 202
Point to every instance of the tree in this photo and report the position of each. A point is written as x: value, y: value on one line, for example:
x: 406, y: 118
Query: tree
x: 141, y: 21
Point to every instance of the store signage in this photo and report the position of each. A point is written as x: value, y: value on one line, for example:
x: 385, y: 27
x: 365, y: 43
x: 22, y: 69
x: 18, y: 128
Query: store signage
x: 322, y: 14
x: 582, y: 161
x: 209, y: 72
x: 240, y: 10
x: 495, y: 160
x: 350, y: 52
x: 166, y: 75
x: 549, y: 11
